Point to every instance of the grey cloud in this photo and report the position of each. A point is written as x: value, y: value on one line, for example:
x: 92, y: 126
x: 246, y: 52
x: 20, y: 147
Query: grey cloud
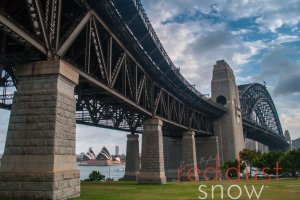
x: 281, y: 65
x: 288, y: 85
x: 271, y: 14
x: 209, y: 47
x: 280, y: 60
x: 212, y: 40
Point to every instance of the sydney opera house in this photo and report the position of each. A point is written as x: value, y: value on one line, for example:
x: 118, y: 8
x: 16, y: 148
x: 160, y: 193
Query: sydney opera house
x: 102, y: 159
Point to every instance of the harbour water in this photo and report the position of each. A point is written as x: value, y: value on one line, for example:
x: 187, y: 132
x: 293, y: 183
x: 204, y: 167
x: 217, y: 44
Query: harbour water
x: 115, y: 172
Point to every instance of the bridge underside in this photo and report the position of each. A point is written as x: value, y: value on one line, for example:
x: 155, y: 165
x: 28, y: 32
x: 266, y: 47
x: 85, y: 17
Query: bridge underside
x: 264, y: 136
x: 123, y: 79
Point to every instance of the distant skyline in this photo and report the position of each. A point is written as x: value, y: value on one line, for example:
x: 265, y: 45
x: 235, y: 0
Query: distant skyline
x: 258, y: 39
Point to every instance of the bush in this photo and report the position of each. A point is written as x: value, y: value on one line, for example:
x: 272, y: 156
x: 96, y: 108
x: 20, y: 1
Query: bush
x: 95, y: 176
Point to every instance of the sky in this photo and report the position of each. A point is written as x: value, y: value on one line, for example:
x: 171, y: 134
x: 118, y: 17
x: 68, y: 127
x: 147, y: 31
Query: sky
x: 259, y: 39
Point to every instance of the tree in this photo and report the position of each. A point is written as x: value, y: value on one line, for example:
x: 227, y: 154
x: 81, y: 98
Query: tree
x: 268, y: 160
x: 290, y: 162
x: 231, y: 168
x: 249, y: 156
x: 96, y: 176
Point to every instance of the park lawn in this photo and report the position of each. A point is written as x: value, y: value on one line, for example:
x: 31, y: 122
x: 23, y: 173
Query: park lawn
x: 284, y: 189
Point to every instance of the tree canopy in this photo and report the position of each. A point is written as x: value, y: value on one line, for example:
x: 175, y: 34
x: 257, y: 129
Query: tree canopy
x: 290, y: 162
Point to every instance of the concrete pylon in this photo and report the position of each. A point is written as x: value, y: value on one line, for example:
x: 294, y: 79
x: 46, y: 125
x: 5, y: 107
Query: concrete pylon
x: 39, y: 160
x: 152, y: 160
x: 288, y: 139
x: 132, y: 166
x: 228, y: 128
x: 189, y: 157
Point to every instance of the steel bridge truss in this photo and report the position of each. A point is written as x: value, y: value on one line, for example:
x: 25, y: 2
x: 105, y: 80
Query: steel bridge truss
x: 115, y: 90
x: 260, y: 116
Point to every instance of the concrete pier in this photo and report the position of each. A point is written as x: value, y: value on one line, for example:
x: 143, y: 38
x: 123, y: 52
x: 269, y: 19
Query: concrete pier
x: 152, y: 160
x: 39, y: 160
x: 189, y: 158
x: 132, y: 166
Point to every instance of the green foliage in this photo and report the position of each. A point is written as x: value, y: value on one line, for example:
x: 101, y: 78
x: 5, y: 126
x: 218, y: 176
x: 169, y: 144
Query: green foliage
x: 268, y: 160
x: 249, y: 156
x: 233, y: 164
x: 290, y: 162
x: 96, y: 176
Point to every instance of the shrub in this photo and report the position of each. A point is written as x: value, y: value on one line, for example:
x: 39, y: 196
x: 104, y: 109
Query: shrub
x: 96, y: 176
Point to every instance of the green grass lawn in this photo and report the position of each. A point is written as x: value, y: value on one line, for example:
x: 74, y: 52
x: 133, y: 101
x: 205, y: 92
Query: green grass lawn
x: 284, y: 189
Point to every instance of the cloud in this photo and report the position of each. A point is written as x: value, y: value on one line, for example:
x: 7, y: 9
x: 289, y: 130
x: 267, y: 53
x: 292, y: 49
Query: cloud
x: 198, y: 45
x: 282, y: 68
x: 290, y: 118
x: 288, y: 85
x: 285, y: 39
x: 271, y: 15
x: 88, y: 136
x: 211, y: 41
x: 279, y: 61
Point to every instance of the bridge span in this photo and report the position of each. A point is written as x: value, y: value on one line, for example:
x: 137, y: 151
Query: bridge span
x: 100, y: 63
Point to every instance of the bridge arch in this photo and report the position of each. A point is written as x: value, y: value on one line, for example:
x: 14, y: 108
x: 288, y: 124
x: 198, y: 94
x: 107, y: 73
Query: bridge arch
x: 260, y: 118
x: 257, y: 105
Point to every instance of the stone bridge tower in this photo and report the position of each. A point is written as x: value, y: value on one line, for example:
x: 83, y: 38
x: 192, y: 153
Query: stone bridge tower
x: 228, y: 128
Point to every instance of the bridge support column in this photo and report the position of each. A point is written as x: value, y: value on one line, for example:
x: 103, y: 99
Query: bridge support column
x: 39, y: 160
x: 152, y: 160
x: 132, y: 166
x: 189, y: 158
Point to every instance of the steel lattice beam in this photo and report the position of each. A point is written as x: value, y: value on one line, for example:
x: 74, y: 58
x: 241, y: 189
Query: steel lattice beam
x: 260, y: 118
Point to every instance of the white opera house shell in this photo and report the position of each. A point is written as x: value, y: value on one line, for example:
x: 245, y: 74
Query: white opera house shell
x: 102, y: 159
